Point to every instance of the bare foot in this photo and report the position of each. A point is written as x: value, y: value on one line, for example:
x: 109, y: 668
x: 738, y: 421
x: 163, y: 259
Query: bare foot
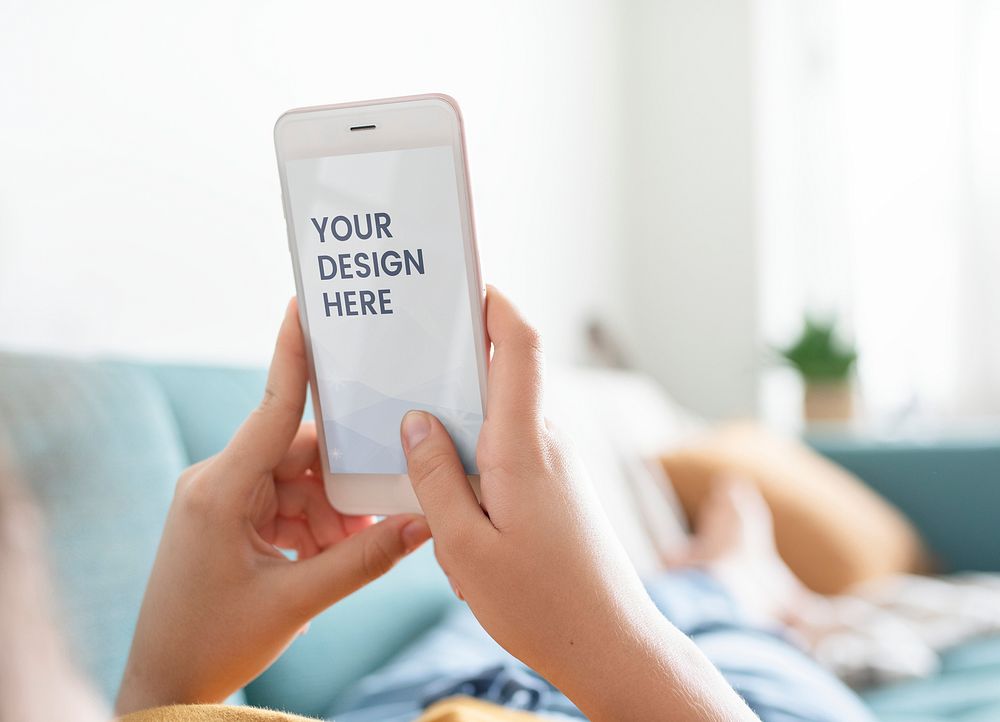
x: 734, y: 541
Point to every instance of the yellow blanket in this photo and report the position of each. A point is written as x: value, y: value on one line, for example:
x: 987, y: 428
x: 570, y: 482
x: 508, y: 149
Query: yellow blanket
x: 455, y: 709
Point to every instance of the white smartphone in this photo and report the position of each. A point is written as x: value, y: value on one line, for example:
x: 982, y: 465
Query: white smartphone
x: 391, y: 298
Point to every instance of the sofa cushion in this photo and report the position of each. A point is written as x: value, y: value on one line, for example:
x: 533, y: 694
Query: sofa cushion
x: 97, y: 445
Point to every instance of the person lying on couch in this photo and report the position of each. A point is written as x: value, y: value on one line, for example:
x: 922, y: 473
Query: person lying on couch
x: 537, y: 563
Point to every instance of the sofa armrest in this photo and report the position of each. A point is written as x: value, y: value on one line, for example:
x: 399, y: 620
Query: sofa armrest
x: 950, y: 490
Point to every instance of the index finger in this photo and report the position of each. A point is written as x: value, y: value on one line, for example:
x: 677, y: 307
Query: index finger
x: 515, y: 381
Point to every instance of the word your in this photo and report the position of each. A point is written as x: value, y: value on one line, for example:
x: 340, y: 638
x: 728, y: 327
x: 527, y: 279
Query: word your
x: 343, y: 229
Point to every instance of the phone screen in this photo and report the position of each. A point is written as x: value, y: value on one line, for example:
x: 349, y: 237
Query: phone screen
x: 387, y: 299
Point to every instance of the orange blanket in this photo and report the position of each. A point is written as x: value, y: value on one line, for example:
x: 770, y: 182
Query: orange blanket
x: 455, y: 709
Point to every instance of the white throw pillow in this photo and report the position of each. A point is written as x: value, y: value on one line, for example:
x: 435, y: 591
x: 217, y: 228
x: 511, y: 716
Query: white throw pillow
x: 620, y: 423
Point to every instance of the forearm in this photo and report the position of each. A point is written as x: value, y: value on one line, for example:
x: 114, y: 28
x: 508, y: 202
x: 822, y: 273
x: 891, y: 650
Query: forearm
x: 154, y: 681
x: 646, y: 669
x: 136, y: 694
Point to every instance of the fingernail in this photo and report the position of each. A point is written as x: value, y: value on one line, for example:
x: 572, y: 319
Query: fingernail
x: 415, y: 533
x: 454, y: 588
x: 416, y: 427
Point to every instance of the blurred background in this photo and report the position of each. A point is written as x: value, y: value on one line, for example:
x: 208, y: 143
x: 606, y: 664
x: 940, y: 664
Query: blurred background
x: 686, y: 182
x: 784, y: 210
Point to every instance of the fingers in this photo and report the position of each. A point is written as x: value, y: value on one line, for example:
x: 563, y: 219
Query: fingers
x: 331, y: 575
x: 514, y: 392
x: 261, y: 442
x: 354, y: 524
x: 305, y: 498
x: 438, y: 478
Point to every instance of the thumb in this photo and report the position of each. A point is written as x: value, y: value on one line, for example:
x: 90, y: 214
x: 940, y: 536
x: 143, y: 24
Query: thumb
x: 348, y: 565
x: 263, y: 439
x: 438, y: 478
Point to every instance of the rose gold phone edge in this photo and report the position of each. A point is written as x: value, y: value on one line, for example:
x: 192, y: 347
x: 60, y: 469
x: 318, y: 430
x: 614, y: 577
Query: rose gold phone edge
x: 383, y: 494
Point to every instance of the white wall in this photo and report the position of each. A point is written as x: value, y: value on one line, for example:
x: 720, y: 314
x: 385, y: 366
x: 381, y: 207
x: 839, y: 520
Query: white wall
x: 692, y: 272
x: 610, y: 146
x: 878, y: 184
x: 139, y: 209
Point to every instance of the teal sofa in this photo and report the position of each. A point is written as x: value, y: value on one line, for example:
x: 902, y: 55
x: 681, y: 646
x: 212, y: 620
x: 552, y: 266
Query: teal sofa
x: 101, y: 443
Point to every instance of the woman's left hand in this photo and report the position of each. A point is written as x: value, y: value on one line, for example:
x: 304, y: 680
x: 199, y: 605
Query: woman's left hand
x: 222, y: 602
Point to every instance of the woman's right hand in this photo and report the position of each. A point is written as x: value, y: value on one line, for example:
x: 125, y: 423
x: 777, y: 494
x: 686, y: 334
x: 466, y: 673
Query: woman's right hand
x: 538, y: 562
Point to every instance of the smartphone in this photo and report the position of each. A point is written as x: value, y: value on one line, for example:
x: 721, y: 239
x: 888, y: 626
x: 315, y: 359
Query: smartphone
x: 391, y: 298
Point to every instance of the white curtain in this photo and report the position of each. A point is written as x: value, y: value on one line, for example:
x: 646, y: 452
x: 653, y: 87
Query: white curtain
x: 879, y: 176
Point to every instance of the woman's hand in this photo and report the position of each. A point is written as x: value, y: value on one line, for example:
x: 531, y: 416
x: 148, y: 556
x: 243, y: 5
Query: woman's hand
x: 222, y: 602
x: 538, y: 562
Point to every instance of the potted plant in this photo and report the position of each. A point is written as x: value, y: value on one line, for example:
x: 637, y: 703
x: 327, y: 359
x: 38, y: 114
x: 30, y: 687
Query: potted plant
x: 825, y: 364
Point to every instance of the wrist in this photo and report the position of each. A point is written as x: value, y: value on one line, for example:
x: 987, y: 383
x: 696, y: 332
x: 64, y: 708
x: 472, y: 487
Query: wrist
x: 611, y: 664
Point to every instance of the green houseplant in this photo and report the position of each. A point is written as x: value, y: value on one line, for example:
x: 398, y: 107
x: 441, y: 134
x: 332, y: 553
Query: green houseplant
x: 826, y: 364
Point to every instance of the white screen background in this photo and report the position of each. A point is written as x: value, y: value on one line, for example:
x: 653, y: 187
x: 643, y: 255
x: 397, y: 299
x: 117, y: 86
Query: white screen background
x: 372, y: 369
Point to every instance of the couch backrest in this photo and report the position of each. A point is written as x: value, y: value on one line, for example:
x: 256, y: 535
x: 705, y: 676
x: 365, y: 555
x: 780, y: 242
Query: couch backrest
x: 948, y: 487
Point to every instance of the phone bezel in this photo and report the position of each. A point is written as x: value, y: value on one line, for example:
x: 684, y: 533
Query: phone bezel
x: 400, y: 123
